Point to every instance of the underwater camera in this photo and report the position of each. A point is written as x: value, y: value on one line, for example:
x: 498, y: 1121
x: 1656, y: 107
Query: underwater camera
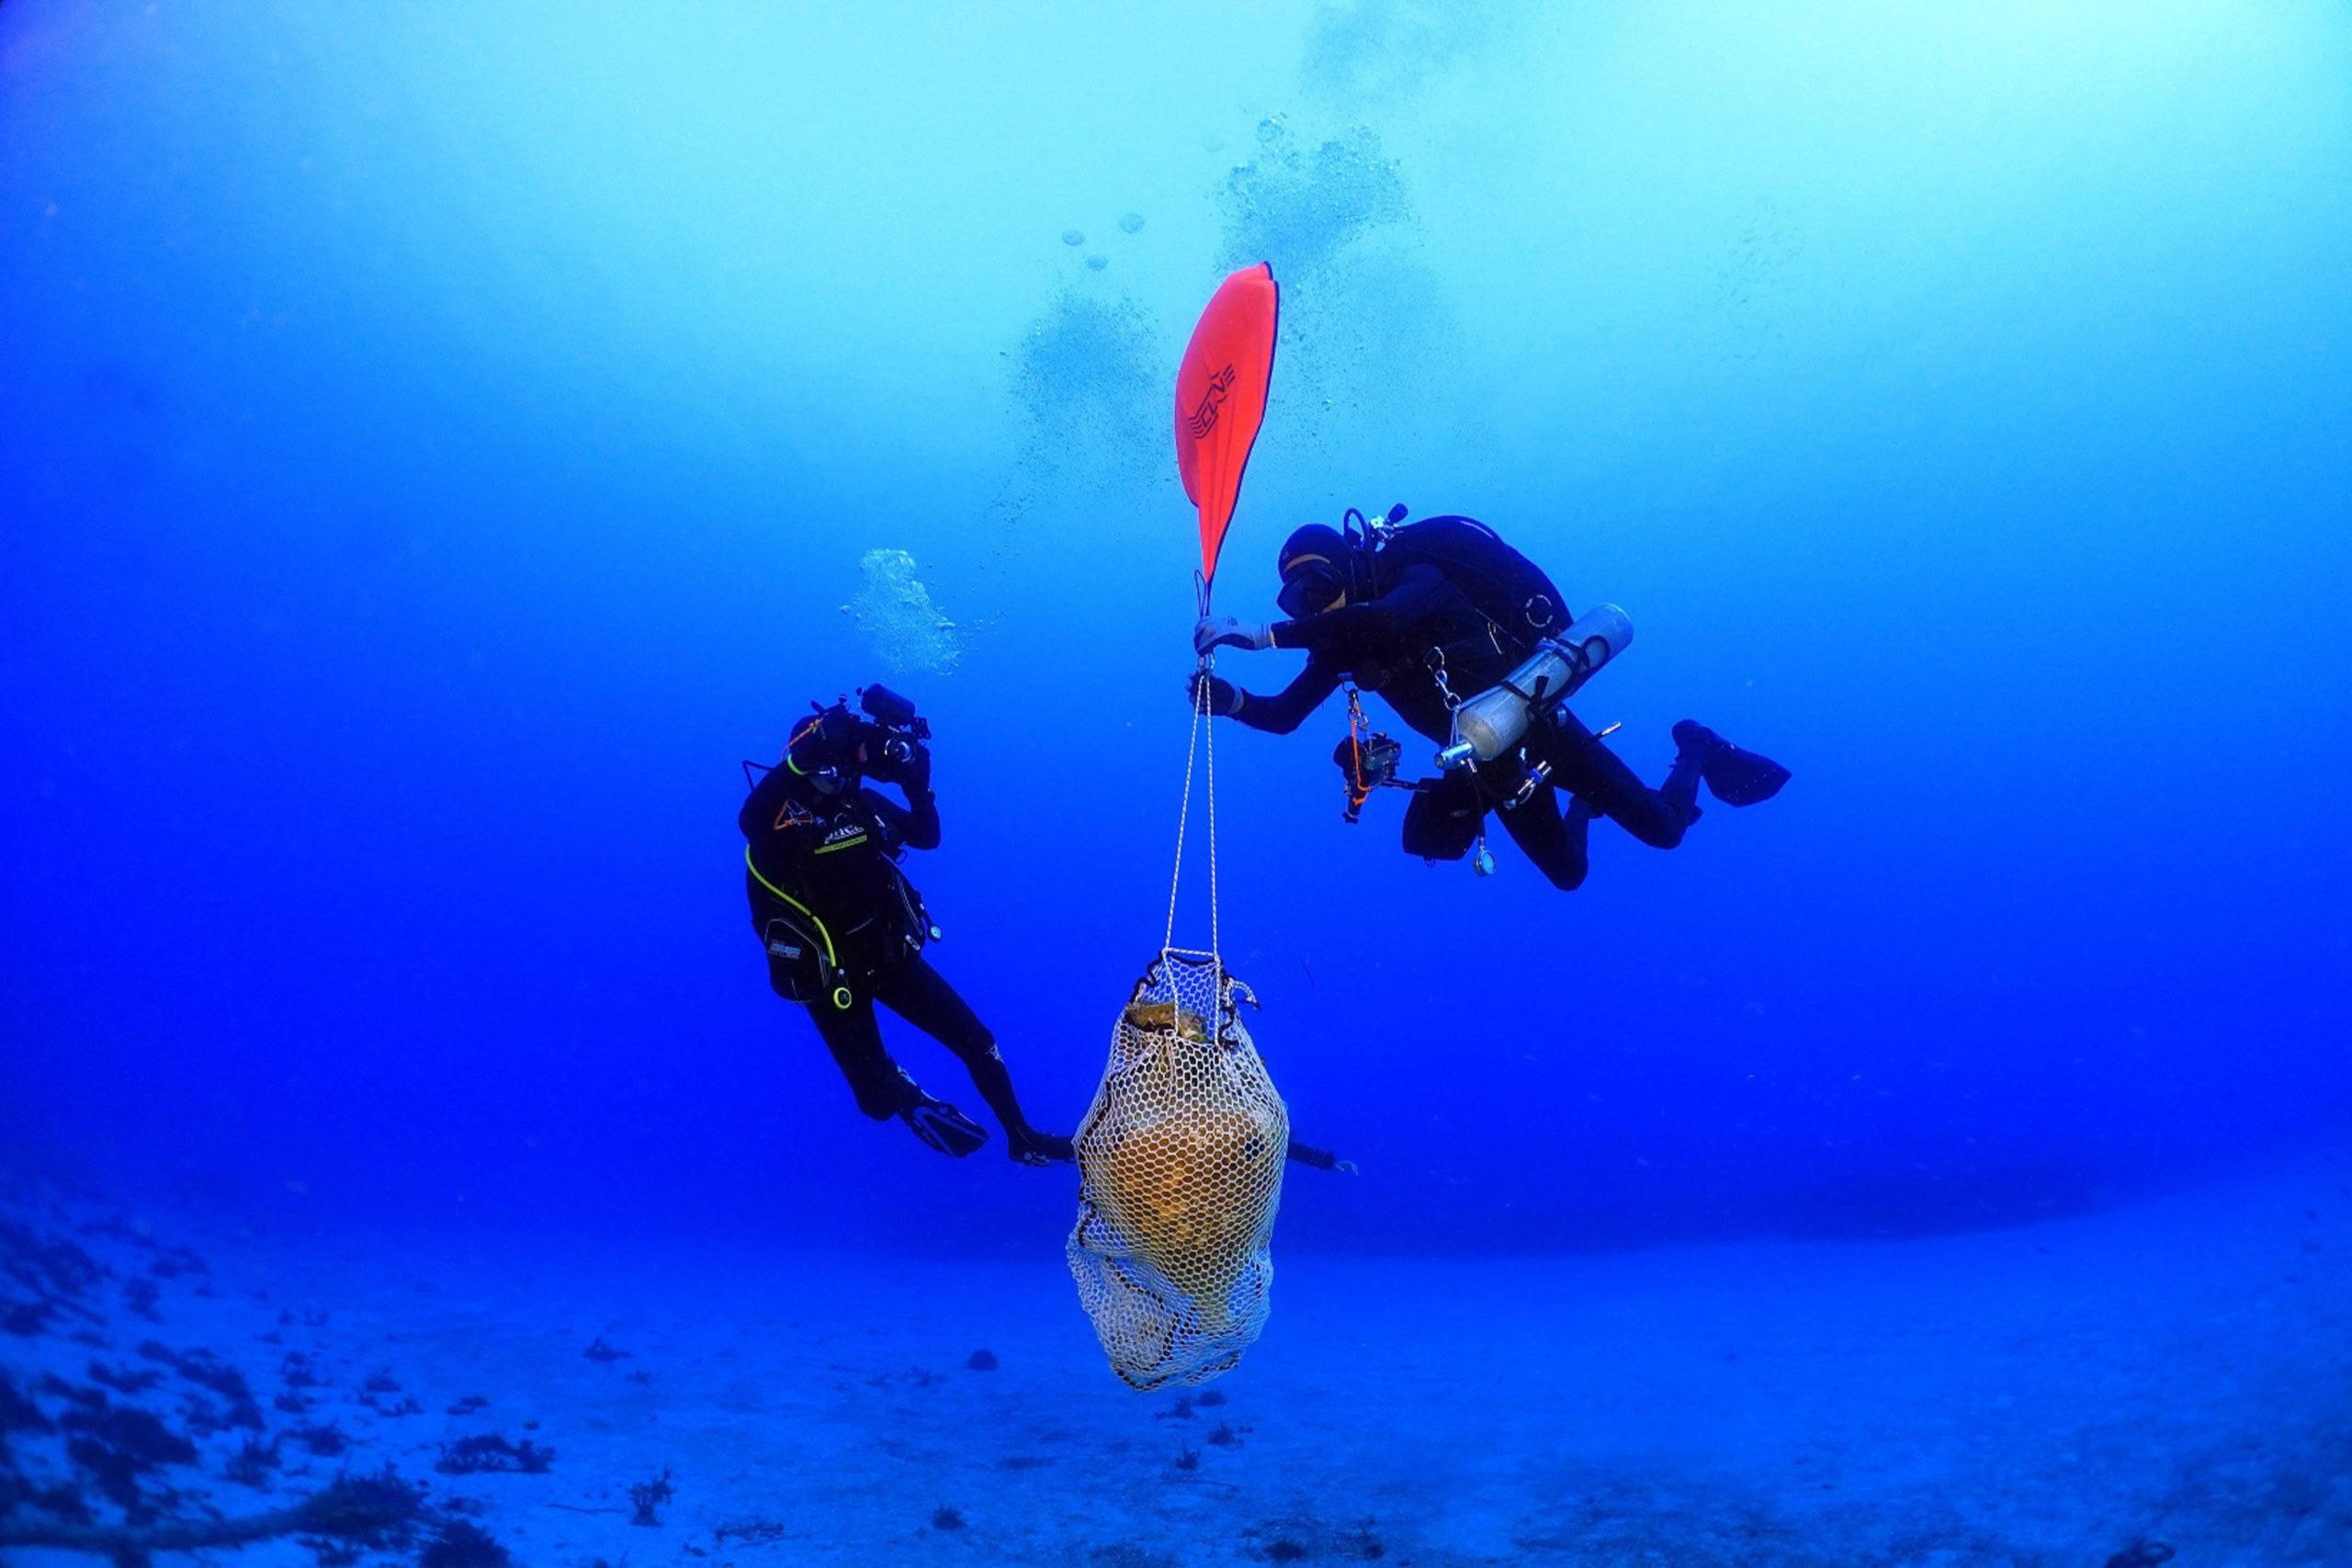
x: 896, y: 714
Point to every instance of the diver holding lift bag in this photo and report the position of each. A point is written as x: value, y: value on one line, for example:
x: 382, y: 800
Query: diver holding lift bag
x: 1473, y: 646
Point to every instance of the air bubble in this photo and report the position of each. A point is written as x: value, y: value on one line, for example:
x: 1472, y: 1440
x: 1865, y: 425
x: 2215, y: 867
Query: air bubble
x: 1073, y: 237
x: 896, y: 611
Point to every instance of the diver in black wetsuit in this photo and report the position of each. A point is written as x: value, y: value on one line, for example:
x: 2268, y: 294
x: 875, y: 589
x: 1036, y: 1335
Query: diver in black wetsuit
x: 1430, y: 615
x: 845, y: 929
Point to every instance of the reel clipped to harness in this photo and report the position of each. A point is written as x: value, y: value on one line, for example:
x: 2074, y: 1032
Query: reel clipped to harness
x: 1367, y: 760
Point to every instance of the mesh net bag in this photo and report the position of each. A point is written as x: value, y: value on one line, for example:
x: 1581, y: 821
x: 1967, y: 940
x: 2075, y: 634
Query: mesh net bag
x: 1181, y: 1170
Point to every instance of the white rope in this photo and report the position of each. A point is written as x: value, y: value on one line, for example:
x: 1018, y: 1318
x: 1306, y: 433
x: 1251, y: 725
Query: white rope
x: 1184, y: 811
x: 1217, y: 948
x: 1198, y: 744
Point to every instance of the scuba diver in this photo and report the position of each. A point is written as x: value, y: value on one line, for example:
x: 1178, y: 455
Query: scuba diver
x: 844, y: 929
x: 1472, y: 646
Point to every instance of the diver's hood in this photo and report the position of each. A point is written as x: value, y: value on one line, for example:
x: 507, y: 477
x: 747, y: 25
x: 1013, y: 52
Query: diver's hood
x: 1319, y: 566
x: 1314, y: 542
x: 826, y: 745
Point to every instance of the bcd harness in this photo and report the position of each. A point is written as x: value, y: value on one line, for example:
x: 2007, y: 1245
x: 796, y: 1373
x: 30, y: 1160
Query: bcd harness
x: 801, y: 956
x: 1509, y: 592
x: 804, y: 963
x: 1517, y: 608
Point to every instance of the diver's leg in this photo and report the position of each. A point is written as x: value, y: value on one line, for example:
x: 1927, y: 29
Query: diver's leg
x: 1554, y: 840
x: 854, y: 1037
x: 921, y: 996
x: 1583, y: 764
x: 883, y: 1088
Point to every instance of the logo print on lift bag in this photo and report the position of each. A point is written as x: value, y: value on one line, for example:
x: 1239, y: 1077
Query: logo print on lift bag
x: 1204, y: 418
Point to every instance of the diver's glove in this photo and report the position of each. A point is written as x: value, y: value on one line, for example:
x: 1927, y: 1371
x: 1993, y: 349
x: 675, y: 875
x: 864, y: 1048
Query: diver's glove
x: 1224, y: 697
x: 1227, y: 632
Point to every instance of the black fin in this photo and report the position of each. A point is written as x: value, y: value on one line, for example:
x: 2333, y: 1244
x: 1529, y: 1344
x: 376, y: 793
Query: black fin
x: 1741, y: 778
x: 943, y: 1127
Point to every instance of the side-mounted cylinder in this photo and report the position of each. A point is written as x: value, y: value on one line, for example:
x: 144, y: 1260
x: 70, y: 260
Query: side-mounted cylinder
x: 1492, y: 722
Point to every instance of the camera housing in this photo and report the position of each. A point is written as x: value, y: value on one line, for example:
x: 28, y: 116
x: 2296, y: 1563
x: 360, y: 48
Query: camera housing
x: 892, y: 711
x: 897, y: 727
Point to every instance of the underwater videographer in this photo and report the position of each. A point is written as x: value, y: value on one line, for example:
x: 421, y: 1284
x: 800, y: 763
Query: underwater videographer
x: 844, y: 929
x: 1456, y: 630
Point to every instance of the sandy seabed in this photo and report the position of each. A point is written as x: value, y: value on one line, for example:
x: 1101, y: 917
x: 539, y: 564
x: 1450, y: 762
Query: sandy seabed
x: 2166, y: 1382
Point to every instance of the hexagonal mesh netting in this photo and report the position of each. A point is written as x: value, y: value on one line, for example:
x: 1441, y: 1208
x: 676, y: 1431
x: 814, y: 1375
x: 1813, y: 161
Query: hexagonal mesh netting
x: 1181, y: 1166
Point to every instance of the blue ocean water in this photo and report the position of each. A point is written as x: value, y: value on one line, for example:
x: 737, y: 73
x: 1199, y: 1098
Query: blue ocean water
x: 446, y: 441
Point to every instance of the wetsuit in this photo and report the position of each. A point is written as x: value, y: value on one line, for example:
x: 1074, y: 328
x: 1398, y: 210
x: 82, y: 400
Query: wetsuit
x: 838, y: 855
x: 1395, y: 644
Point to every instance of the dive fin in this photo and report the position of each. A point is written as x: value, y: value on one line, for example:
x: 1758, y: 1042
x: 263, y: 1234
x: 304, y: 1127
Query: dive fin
x: 1040, y: 1149
x: 1734, y: 777
x: 1742, y: 778
x: 943, y: 1127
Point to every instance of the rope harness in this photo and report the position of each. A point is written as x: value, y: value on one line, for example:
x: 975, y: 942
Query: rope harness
x: 1200, y: 745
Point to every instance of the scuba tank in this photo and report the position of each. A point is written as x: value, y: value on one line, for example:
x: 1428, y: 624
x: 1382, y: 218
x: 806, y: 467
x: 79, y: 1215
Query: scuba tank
x: 1492, y: 722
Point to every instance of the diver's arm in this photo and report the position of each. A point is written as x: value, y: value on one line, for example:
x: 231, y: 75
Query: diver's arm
x: 922, y: 817
x: 1288, y: 708
x: 915, y: 824
x: 1420, y: 591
